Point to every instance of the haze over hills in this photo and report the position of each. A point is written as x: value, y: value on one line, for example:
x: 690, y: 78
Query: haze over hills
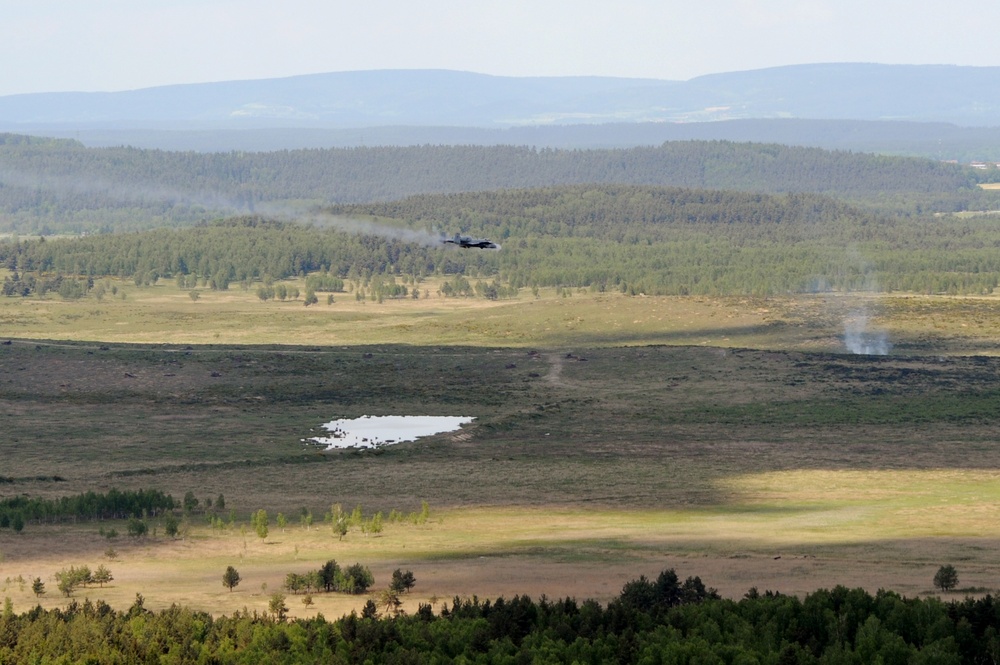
x: 935, y: 140
x: 406, y: 107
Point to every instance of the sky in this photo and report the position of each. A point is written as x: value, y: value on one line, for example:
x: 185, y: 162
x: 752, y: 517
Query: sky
x: 111, y: 45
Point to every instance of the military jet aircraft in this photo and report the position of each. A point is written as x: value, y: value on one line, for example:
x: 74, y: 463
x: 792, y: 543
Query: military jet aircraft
x: 468, y: 241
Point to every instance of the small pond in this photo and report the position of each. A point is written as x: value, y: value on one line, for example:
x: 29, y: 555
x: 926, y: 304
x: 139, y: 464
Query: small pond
x: 378, y: 431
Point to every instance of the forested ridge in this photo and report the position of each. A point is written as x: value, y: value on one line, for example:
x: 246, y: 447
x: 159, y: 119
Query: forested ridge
x: 652, y: 621
x: 661, y: 240
x: 635, y: 239
x: 60, y: 186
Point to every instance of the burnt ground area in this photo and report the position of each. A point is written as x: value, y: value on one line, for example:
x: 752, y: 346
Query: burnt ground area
x: 626, y: 427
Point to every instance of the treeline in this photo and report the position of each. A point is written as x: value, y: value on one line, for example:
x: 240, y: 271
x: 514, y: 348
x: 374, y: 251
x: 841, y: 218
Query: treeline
x: 354, y: 579
x: 632, y: 215
x: 661, y: 621
x: 68, y: 579
x: 113, y: 505
x: 29, y: 284
x: 62, y: 187
x: 245, y: 249
x: 632, y: 239
x: 931, y: 140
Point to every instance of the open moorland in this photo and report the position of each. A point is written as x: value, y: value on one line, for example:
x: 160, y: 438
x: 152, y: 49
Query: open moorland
x: 733, y: 438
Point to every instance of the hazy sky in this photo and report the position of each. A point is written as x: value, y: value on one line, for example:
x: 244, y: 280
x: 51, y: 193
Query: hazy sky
x: 60, y: 45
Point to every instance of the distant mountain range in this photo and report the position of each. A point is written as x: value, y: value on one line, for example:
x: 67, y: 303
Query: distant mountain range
x: 357, y: 107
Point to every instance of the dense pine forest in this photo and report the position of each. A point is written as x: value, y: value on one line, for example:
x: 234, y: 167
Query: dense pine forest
x: 632, y: 239
x: 652, y: 621
x: 60, y: 186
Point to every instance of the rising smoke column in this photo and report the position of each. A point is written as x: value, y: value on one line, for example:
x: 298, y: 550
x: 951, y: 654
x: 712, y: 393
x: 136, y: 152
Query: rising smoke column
x: 861, y: 339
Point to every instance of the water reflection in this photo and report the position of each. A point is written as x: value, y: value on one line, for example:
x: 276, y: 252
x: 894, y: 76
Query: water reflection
x: 377, y: 431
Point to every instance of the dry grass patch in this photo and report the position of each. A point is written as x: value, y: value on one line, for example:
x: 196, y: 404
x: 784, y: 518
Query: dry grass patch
x: 854, y: 505
x: 814, y: 323
x: 506, y: 551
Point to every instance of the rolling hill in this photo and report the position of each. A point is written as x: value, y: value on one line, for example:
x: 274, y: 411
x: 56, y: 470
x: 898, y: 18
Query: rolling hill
x: 316, y: 110
x: 63, y: 187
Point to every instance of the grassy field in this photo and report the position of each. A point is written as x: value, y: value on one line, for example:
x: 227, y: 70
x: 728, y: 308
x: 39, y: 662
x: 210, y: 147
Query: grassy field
x: 733, y: 439
x: 163, y: 314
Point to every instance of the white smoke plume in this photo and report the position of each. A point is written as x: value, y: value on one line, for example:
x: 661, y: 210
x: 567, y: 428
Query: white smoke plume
x: 214, y: 202
x: 861, y: 339
x: 140, y: 193
x: 357, y: 226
